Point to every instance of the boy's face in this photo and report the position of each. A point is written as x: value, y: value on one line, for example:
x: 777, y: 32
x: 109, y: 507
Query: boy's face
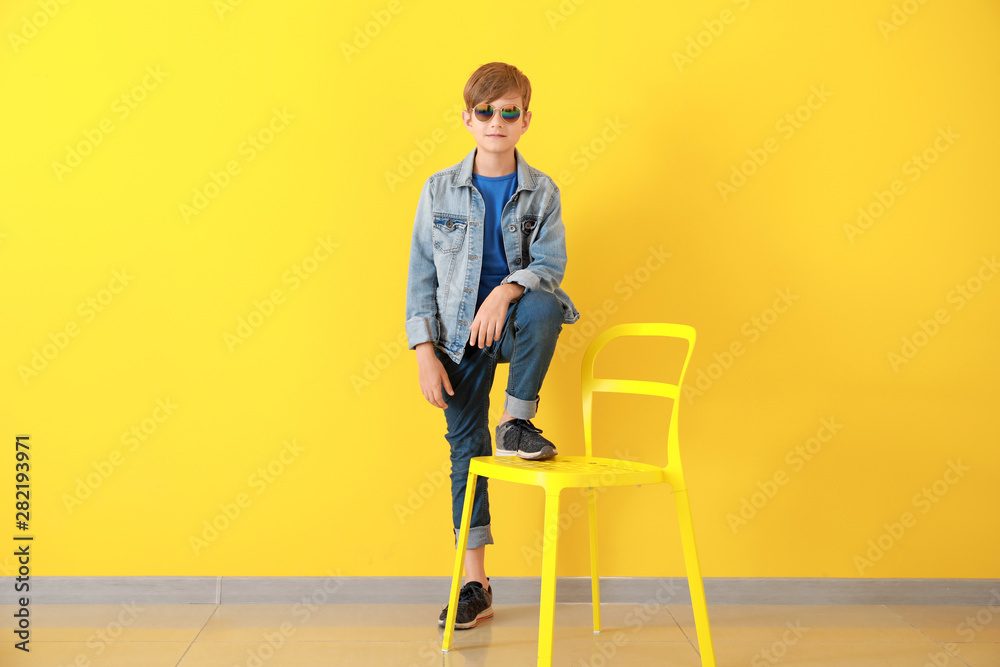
x: 497, y: 135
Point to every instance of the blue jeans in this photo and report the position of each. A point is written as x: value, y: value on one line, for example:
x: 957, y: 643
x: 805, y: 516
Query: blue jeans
x: 527, y: 342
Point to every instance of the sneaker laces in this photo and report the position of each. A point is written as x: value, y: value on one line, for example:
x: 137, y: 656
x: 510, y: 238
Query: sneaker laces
x: 469, y: 592
x: 477, y: 592
x: 526, y: 423
x: 464, y: 595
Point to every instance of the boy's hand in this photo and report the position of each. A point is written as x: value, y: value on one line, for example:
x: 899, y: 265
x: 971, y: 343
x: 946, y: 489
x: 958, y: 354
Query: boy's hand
x: 488, y: 322
x: 432, y: 375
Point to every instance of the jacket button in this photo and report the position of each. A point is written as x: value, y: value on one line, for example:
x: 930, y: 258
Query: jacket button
x: 512, y: 228
x: 517, y: 261
x: 449, y: 224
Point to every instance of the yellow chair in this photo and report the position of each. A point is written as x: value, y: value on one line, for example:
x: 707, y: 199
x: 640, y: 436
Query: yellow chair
x: 588, y: 471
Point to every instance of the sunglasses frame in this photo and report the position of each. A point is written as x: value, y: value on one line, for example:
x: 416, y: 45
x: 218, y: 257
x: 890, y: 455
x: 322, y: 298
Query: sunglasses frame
x: 520, y: 113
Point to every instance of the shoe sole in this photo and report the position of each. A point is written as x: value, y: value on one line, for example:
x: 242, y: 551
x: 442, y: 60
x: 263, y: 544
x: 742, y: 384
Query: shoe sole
x: 483, y: 615
x: 546, y: 453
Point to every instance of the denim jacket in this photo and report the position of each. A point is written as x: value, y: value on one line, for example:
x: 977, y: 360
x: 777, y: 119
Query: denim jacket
x: 447, y: 247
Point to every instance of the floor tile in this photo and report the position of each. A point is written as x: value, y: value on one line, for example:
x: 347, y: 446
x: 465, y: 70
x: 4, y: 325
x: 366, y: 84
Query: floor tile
x: 416, y: 622
x: 419, y: 654
x: 116, y: 654
x: 808, y: 623
x: 944, y: 623
x: 408, y: 636
x: 979, y: 655
x: 104, y: 623
x: 828, y: 654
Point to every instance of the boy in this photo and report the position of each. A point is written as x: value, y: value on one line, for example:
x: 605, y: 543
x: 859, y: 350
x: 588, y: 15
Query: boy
x: 487, y: 256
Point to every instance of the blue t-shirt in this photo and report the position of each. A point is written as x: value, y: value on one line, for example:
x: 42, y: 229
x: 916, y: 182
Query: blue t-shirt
x: 496, y: 192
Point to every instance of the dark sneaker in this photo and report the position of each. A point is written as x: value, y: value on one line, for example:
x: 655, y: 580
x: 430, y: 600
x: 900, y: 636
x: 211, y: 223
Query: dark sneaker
x: 475, y: 604
x: 521, y: 437
x: 506, y: 440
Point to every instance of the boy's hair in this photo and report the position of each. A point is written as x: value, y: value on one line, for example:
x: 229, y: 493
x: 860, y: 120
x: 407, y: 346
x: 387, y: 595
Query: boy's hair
x: 493, y: 81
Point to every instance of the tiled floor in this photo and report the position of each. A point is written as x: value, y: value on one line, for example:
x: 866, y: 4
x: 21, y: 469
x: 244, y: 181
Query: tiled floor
x: 282, y: 635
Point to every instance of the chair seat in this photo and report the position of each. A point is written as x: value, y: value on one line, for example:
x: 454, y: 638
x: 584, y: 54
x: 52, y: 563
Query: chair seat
x: 567, y: 471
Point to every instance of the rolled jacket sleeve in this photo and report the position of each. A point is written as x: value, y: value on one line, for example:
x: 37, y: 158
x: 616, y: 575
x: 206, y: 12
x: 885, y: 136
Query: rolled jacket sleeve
x: 421, y: 284
x: 548, y: 252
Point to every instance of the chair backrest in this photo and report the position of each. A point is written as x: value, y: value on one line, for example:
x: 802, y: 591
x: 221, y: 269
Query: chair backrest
x: 652, y: 388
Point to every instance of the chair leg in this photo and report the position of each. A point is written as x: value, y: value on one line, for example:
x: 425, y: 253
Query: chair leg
x: 546, y: 614
x: 456, y: 576
x: 595, y: 582
x: 698, y: 605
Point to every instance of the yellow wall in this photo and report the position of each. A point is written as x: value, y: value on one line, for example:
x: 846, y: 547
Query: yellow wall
x: 128, y: 269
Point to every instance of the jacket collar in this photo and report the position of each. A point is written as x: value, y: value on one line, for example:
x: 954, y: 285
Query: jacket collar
x: 525, y: 181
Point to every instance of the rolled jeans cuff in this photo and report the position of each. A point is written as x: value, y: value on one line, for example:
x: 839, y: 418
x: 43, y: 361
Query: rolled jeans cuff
x: 519, y: 408
x: 478, y: 536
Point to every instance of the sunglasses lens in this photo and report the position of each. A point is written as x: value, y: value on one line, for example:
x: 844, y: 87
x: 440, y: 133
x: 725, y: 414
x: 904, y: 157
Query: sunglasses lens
x: 510, y: 114
x: 484, y: 112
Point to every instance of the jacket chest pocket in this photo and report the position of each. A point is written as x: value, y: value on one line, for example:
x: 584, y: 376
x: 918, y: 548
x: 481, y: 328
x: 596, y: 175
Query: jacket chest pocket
x: 448, y: 233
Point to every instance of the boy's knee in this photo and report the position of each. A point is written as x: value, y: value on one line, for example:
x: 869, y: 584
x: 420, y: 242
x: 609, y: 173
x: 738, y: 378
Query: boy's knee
x: 541, y: 306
